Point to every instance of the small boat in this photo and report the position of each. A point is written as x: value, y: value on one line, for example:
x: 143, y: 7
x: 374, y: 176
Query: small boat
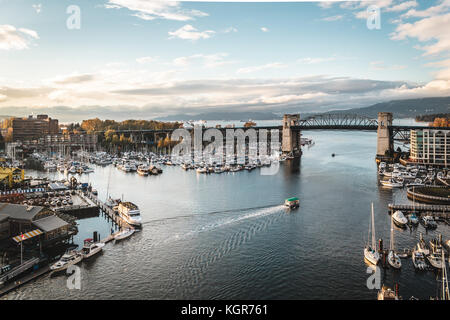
x: 142, y: 172
x: 418, y: 259
x: 429, y: 223
x: 292, y: 203
x: 387, y: 294
x: 413, y: 219
x: 91, y: 248
x: 399, y: 219
x: 422, y: 246
x: 391, y: 183
x: 370, y: 253
x: 393, y: 258
x: 130, y: 213
x: 68, y: 259
x: 124, y: 234
x: 435, y: 259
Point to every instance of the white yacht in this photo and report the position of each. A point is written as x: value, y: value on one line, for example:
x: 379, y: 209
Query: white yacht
x: 124, y: 234
x: 399, y: 219
x: 418, y: 259
x: 91, y: 248
x: 435, y: 259
x: 68, y: 259
x: 391, y: 183
x: 429, y: 223
x: 130, y: 213
x: 370, y: 252
x: 393, y: 258
x: 422, y: 246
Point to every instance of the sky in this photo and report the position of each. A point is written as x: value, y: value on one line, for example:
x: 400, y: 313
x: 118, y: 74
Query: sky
x: 122, y: 59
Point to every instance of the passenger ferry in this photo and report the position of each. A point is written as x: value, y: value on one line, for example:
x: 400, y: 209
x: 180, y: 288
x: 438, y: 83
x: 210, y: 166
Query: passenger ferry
x: 130, y: 212
x: 292, y: 203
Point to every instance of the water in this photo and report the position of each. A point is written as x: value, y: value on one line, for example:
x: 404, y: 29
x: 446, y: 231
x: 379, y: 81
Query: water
x: 226, y: 236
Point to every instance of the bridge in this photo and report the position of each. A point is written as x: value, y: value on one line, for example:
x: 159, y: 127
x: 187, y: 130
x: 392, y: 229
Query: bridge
x: 292, y: 126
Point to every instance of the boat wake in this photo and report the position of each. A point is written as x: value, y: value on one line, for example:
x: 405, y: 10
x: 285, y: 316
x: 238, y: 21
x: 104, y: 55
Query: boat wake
x: 226, y: 221
x: 196, y: 266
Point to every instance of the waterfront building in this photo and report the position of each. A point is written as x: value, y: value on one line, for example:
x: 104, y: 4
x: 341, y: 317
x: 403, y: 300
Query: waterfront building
x: 430, y: 146
x: 19, y: 129
x: 31, y: 221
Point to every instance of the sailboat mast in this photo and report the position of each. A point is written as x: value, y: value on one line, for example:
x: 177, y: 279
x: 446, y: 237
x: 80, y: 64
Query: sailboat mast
x: 445, y: 291
x: 373, y: 230
x: 392, y: 235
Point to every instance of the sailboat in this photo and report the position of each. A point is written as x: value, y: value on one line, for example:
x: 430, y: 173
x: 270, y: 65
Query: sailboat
x: 370, y: 253
x: 393, y: 258
x: 445, y: 295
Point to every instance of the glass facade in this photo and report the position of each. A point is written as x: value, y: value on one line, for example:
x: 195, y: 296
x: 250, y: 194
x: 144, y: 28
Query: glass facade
x: 430, y: 146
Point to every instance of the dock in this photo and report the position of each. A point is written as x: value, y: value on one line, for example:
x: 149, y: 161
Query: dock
x: 109, y: 212
x: 29, y: 277
x: 432, y: 209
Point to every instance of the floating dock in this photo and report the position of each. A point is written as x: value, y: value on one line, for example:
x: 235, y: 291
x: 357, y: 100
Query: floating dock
x: 435, y: 210
x: 29, y: 277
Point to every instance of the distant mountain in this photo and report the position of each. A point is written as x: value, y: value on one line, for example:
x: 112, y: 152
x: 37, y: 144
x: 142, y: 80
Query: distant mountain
x: 409, y: 108
x: 222, y: 116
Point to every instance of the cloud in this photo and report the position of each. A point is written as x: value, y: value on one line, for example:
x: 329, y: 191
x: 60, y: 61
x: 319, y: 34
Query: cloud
x: 143, y: 60
x: 333, y: 18
x: 208, y: 60
x: 230, y: 29
x: 74, y: 79
x: 315, y: 60
x: 150, y: 10
x: 380, y: 65
x: 262, y: 67
x: 427, y: 29
x: 188, y: 32
x: 37, y: 7
x: 402, y: 6
x: 325, y: 4
x: 16, y: 39
x: 264, y: 29
x: 119, y: 98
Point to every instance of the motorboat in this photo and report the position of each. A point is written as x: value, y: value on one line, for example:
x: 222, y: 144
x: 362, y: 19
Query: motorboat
x: 91, y: 248
x: 429, y: 223
x: 125, y: 233
x: 417, y: 183
x: 413, y: 219
x: 393, y: 258
x: 399, y: 219
x: 387, y: 294
x: 391, y: 183
x: 418, y: 259
x: 142, y: 171
x: 292, y: 203
x: 69, y: 258
x: 370, y: 253
x: 435, y: 259
x: 422, y: 246
x: 130, y: 213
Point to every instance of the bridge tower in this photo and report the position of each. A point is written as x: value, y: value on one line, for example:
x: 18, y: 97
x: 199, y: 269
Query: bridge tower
x: 384, y: 138
x: 291, y: 139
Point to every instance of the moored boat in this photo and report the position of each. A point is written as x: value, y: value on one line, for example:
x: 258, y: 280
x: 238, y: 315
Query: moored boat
x: 69, y: 258
x: 91, y: 248
x: 399, y: 219
x: 370, y: 253
x: 124, y: 234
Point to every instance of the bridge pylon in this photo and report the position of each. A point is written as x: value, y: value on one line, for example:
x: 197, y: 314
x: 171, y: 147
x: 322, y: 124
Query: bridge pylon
x: 385, y: 145
x: 291, y: 139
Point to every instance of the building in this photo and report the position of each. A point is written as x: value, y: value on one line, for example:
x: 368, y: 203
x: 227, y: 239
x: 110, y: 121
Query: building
x: 30, y: 128
x: 31, y: 221
x: 63, y: 142
x: 430, y: 146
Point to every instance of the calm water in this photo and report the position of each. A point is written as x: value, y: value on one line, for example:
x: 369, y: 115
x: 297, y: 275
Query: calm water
x: 227, y: 236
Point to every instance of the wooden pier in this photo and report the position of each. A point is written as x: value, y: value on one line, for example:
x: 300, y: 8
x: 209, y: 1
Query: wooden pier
x: 432, y: 209
x: 29, y: 277
x: 116, y: 218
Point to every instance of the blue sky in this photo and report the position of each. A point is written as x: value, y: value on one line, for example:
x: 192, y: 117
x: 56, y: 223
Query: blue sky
x: 136, y: 58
